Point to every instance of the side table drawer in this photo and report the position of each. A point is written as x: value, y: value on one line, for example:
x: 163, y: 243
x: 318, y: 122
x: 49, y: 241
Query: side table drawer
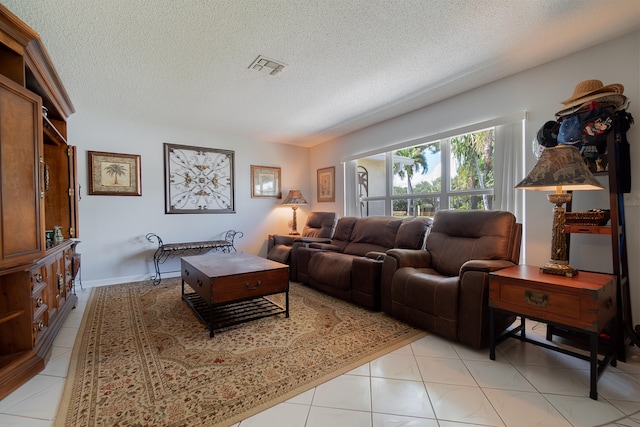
x: 249, y: 285
x: 535, y: 299
x: 197, y: 280
x: 585, y: 309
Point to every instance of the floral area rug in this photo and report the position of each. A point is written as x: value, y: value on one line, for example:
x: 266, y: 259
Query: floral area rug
x: 142, y: 358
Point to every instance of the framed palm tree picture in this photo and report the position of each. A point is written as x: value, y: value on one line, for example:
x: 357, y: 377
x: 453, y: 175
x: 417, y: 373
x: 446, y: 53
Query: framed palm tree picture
x: 113, y: 174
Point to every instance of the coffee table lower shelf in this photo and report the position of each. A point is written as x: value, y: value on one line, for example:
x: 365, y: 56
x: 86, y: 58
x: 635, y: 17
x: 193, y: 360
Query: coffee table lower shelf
x: 229, y: 314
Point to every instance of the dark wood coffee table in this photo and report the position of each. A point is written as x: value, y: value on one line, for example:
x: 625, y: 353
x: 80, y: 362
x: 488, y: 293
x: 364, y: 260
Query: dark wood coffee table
x: 230, y: 288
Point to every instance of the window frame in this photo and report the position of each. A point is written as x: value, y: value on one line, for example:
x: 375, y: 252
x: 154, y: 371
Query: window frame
x: 444, y: 195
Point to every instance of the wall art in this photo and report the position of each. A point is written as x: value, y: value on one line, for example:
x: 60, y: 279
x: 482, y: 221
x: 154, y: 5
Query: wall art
x: 265, y: 182
x: 113, y: 174
x: 198, y: 180
x: 327, y: 184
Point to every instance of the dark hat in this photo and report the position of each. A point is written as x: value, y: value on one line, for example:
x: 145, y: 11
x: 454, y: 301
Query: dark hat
x: 596, y: 124
x: 548, y: 134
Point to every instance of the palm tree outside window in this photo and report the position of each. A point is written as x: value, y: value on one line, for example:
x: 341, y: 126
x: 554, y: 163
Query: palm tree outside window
x: 451, y: 173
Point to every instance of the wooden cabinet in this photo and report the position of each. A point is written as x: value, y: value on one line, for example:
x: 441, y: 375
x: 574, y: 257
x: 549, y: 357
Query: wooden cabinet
x: 38, y: 190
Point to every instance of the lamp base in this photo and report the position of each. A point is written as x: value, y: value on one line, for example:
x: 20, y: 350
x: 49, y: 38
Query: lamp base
x: 561, y: 268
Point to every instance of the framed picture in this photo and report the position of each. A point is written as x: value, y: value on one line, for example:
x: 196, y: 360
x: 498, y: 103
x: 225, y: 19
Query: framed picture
x: 327, y: 184
x: 265, y: 182
x: 113, y: 174
x: 198, y: 180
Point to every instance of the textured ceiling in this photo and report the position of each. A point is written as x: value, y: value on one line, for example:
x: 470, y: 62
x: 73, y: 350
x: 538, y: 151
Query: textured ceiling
x: 350, y: 63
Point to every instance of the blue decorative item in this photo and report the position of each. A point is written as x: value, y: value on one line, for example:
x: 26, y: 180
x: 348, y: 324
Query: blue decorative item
x: 571, y: 132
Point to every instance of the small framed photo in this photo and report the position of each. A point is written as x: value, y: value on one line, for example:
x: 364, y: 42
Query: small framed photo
x: 327, y: 184
x: 113, y: 174
x: 265, y: 182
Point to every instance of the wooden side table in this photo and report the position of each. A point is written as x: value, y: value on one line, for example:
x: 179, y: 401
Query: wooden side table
x: 583, y: 303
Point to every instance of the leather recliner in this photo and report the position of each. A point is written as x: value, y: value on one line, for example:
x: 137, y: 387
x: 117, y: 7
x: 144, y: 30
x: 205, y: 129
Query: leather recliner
x: 444, y: 288
x: 319, y: 227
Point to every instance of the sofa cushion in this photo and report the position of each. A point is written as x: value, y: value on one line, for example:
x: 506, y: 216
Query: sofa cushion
x: 374, y: 233
x: 342, y: 234
x: 320, y: 224
x: 458, y: 236
x: 333, y: 268
x: 411, y: 233
x: 423, y: 297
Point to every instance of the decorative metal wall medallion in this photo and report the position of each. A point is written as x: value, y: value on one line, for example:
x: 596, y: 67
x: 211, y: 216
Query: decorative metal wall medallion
x: 198, y: 180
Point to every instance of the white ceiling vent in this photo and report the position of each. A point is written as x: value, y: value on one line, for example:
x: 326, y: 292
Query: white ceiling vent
x: 266, y: 65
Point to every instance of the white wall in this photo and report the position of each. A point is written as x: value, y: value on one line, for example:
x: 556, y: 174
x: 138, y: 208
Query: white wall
x: 113, y: 228
x: 537, y: 91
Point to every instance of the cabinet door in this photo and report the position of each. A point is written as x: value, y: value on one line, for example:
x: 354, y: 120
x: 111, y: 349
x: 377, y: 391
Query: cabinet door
x: 21, y: 210
x: 74, y: 191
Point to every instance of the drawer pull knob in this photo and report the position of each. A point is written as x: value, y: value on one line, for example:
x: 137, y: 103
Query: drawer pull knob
x: 199, y: 282
x: 536, y: 298
x: 248, y: 285
x: 608, y: 303
x: 186, y: 272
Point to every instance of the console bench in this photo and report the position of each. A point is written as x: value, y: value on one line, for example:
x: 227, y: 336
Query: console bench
x: 166, y: 250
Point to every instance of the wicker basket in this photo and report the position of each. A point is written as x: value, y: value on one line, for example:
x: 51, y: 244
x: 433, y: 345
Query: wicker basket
x: 591, y: 217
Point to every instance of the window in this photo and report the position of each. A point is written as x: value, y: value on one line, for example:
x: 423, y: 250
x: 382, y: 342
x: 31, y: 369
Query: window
x: 450, y: 173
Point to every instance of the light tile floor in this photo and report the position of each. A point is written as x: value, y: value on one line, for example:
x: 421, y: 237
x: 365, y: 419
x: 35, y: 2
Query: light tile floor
x: 430, y: 383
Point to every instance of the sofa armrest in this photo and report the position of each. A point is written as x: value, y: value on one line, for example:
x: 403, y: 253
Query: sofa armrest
x: 365, y: 281
x: 375, y: 255
x: 484, y: 265
x: 281, y: 239
x: 302, y: 259
x: 299, y: 243
x: 473, y: 297
x: 410, y: 257
x: 393, y: 260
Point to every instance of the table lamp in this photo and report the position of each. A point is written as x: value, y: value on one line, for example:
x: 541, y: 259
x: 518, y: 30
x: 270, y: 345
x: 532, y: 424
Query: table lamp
x: 559, y: 167
x: 293, y: 199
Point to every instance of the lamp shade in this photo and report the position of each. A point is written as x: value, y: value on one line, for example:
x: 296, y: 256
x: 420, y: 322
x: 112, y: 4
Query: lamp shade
x: 560, y: 166
x: 294, y: 198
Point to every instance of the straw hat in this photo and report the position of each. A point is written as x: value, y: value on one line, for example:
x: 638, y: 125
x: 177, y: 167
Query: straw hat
x: 603, y: 99
x: 589, y: 88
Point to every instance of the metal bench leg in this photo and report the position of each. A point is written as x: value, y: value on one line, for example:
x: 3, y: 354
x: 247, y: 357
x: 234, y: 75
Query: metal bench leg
x: 156, y: 263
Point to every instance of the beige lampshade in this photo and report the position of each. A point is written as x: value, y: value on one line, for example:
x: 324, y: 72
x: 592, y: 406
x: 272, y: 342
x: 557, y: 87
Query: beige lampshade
x: 294, y: 198
x: 560, y: 166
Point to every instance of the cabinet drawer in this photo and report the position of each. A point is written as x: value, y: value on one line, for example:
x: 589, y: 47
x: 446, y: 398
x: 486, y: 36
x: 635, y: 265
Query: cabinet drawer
x: 38, y: 277
x: 38, y: 297
x: 249, y: 285
x: 39, y: 329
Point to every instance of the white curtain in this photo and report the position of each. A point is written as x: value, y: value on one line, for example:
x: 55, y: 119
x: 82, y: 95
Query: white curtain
x: 508, y: 168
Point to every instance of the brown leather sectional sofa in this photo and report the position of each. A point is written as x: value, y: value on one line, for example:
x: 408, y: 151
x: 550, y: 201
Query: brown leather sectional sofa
x: 350, y: 267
